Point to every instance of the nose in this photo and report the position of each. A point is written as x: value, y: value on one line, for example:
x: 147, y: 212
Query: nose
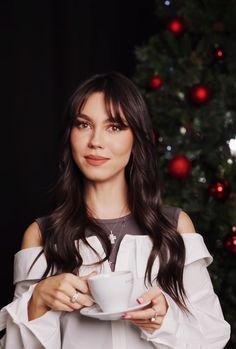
x: 96, y: 139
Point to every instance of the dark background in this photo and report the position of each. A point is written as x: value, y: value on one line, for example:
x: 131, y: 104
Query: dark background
x: 47, y: 49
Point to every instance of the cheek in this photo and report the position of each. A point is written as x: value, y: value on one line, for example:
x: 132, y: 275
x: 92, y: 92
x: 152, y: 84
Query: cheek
x: 73, y: 139
x: 123, y: 147
x: 76, y: 141
x: 76, y: 148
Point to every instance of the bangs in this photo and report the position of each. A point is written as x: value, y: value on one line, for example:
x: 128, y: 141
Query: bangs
x: 112, y: 103
x: 113, y: 108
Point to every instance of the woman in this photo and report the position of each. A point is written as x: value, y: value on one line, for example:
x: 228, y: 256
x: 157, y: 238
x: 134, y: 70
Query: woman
x: 109, y: 216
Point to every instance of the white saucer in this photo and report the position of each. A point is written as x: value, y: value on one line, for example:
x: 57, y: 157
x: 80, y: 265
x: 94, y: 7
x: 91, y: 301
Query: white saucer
x: 95, y: 312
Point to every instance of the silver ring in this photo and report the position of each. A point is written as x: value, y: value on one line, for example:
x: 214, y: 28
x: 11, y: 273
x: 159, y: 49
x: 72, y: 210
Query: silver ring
x: 74, y: 298
x: 154, y: 318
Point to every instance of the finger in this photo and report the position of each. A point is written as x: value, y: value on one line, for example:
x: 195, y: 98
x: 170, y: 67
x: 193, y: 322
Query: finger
x: 73, y: 284
x: 147, y: 326
x: 158, y: 321
x: 60, y: 306
x: 161, y: 308
x: 150, y: 329
x: 140, y: 321
x: 83, y: 300
x: 85, y: 277
x: 142, y: 314
x: 148, y: 296
x: 160, y: 304
x: 64, y: 297
x: 77, y: 282
x: 58, y: 303
x: 150, y: 326
x: 65, y: 288
x: 67, y: 281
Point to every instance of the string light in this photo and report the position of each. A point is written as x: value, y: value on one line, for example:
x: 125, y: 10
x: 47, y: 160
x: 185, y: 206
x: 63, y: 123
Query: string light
x: 182, y: 130
x: 167, y: 2
x: 180, y: 95
x: 232, y: 146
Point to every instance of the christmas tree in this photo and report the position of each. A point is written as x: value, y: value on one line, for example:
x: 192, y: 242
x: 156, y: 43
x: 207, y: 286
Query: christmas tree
x: 187, y: 73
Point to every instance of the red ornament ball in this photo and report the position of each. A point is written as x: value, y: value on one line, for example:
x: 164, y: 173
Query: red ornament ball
x: 220, y: 189
x: 199, y: 94
x: 175, y: 26
x: 219, y: 54
x: 179, y: 166
x: 230, y: 241
x: 156, y: 82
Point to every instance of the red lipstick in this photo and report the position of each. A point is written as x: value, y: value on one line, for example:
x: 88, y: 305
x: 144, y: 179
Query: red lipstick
x: 95, y: 160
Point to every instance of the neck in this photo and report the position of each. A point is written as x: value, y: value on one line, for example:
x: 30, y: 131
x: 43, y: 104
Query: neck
x: 106, y: 200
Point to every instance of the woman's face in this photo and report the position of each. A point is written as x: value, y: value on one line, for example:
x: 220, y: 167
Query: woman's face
x: 101, y: 148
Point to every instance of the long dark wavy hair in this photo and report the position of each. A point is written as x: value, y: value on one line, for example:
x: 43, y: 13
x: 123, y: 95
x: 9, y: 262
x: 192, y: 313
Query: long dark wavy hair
x: 68, y: 221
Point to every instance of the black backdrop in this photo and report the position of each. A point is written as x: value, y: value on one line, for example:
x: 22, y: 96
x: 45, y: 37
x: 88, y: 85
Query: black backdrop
x: 47, y: 48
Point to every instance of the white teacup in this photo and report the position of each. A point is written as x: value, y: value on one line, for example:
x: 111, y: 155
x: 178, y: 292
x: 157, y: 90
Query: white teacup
x: 112, y: 291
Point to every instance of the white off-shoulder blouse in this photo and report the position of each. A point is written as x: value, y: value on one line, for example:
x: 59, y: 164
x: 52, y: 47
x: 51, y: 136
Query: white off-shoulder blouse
x: 205, y: 328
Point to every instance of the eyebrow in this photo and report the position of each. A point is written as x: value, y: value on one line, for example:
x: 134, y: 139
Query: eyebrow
x: 86, y: 117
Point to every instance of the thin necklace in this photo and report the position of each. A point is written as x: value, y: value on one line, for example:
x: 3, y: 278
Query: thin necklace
x: 115, y: 240
x: 111, y: 236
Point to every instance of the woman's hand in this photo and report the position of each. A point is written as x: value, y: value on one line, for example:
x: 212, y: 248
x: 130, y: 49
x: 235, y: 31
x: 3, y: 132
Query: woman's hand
x: 55, y: 293
x: 150, y: 318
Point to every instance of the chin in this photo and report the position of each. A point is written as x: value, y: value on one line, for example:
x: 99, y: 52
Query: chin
x: 103, y: 177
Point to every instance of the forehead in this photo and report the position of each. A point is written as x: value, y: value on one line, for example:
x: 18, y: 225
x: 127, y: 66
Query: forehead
x: 99, y: 105
x: 94, y: 103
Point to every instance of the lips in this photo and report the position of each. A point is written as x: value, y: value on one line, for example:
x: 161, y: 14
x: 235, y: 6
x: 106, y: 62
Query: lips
x: 95, y: 160
x: 95, y: 157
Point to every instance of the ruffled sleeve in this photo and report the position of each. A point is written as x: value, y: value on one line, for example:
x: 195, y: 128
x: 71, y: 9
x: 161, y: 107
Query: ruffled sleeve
x: 196, y: 249
x: 204, y: 326
x: 22, y: 333
x: 23, y: 262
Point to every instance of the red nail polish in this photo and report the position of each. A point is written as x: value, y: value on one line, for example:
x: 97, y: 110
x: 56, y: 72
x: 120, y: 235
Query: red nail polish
x: 126, y: 316
x: 139, y: 300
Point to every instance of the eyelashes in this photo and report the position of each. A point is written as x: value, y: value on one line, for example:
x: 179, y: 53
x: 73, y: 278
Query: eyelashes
x: 112, y: 127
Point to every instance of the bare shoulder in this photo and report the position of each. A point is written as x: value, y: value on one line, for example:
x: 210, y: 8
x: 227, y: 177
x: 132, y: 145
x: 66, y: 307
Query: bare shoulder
x: 185, y: 224
x: 32, y: 236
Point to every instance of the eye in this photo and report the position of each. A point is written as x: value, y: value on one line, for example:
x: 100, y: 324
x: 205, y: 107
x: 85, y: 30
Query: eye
x: 116, y: 128
x: 81, y: 124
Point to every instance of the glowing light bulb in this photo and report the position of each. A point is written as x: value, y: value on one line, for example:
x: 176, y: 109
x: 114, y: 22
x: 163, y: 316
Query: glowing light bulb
x: 232, y: 146
x: 182, y: 130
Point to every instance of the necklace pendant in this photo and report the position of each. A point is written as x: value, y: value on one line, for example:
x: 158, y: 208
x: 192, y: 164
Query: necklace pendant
x: 112, y: 238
